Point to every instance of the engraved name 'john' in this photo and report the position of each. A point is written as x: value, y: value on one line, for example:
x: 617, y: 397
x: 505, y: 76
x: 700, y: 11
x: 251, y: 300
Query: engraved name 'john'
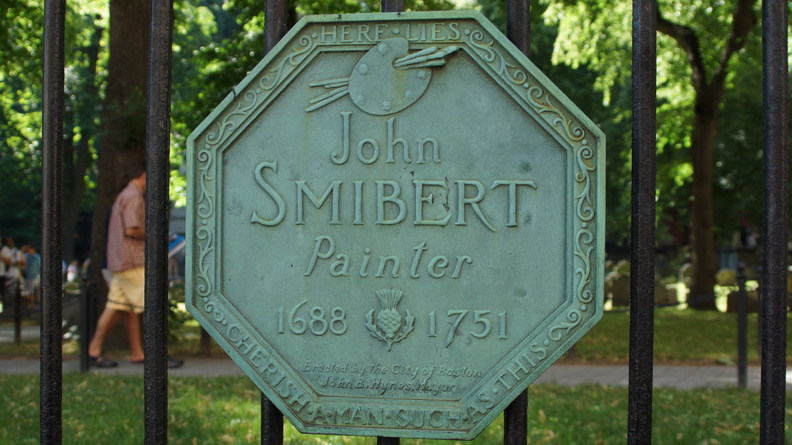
x: 430, y: 201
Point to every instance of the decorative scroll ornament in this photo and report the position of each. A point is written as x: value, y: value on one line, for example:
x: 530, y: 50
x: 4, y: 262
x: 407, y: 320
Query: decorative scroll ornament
x: 535, y: 95
x: 389, y: 320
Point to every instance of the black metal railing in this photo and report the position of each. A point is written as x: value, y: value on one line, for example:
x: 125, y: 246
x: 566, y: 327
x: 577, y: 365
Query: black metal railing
x: 776, y: 216
x: 51, y: 220
x: 774, y: 304
x: 642, y: 268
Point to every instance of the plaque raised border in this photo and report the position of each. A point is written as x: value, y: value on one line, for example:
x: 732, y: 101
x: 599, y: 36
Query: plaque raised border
x: 430, y: 39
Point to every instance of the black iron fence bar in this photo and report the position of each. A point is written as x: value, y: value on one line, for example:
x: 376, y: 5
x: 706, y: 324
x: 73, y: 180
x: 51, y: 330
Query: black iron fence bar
x: 276, y: 25
x: 52, y: 200
x: 155, y: 372
x: 643, y: 220
x: 276, y: 13
x: 515, y: 421
x: 518, y: 24
x: 774, y: 238
x: 390, y: 6
x: 388, y: 440
x: 18, y: 316
x: 742, y: 329
x: 271, y: 423
x: 518, y: 31
x: 85, y: 331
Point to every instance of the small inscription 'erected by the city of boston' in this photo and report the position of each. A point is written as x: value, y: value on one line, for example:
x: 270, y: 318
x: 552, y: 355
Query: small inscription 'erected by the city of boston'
x: 395, y: 224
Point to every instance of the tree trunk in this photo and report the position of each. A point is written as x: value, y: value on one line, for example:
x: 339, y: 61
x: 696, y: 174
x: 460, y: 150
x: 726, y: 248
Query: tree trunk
x: 76, y: 159
x: 123, y: 137
x: 707, y: 117
x: 74, y: 196
x: 705, y: 128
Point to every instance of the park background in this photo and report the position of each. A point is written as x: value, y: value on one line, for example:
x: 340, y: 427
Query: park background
x: 709, y: 122
x: 709, y: 139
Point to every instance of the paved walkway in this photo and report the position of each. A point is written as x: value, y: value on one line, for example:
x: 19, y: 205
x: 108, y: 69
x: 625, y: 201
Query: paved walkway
x: 681, y: 377
x: 28, y: 333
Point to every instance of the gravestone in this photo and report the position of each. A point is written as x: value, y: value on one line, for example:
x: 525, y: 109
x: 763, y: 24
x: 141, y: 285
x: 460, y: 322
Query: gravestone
x: 395, y: 224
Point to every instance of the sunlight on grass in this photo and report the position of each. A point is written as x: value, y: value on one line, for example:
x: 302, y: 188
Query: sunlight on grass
x: 107, y: 409
x: 680, y: 336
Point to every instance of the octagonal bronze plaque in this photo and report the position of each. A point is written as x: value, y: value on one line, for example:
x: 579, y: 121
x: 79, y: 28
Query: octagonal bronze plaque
x: 395, y: 224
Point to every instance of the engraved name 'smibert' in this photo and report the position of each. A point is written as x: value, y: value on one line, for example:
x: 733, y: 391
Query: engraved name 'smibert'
x: 391, y: 202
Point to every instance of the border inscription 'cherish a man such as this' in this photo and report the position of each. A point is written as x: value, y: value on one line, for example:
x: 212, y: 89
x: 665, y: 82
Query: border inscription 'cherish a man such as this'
x: 394, y: 224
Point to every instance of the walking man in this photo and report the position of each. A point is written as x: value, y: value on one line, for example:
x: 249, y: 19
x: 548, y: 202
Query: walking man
x: 126, y: 260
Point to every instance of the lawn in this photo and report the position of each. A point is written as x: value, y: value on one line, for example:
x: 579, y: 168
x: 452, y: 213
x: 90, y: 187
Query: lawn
x: 681, y: 336
x: 104, y: 408
x: 109, y: 409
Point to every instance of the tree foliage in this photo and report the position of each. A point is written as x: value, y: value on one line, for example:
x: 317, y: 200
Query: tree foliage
x: 577, y: 81
x: 702, y: 47
x: 583, y: 46
x: 216, y: 43
x: 20, y: 112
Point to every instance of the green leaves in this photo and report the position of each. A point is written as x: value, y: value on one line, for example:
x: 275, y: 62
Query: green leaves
x: 694, y: 54
x: 21, y: 24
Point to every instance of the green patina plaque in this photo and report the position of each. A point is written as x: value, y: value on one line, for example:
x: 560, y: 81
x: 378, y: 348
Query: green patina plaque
x: 395, y: 224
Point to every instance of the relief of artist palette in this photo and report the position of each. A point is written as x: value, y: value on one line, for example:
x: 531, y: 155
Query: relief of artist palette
x: 395, y: 224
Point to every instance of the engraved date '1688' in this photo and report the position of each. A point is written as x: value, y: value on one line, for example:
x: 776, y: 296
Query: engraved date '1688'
x: 389, y: 325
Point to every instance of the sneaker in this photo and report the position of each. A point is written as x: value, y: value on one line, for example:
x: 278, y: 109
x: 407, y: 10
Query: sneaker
x: 174, y: 362
x: 101, y: 361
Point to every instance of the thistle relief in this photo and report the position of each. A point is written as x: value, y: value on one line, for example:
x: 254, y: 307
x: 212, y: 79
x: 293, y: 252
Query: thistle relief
x: 390, y: 327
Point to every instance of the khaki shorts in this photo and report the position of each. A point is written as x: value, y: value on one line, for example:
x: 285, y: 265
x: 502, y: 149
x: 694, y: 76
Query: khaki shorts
x: 127, y: 290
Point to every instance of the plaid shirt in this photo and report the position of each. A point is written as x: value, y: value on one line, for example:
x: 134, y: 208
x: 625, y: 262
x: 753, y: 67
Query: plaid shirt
x: 129, y: 210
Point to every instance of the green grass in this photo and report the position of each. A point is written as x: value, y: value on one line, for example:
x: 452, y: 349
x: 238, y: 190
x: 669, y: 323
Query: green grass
x: 109, y: 409
x: 681, y: 336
